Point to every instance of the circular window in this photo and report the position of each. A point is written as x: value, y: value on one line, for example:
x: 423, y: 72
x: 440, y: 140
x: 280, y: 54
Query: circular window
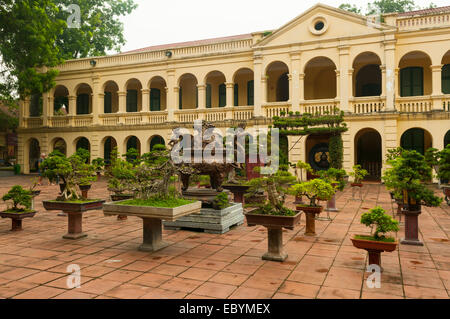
x: 319, y: 25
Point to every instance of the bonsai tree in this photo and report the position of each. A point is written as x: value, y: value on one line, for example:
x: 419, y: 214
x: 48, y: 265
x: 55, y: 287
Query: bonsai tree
x: 84, y: 154
x: 20, y: 198
x: 314, y: 190
x: 73, y: 171
x: 358, y: 174
x: 444, y: 165
x: 276, y: 186
x: 334, y: 176
x: 221, y: 201
x: 383, y: 223
x: 99, y: 164
x: 121, y: 176
x: 302, y: 166
x: 405, y: 177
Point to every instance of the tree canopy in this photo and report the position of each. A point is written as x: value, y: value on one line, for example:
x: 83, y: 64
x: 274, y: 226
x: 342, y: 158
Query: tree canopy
x: 35, y: 37
x: 384, y: 6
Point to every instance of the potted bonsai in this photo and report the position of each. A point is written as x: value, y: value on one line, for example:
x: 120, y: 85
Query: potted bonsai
x: 21, y: 209
x: 314, y: 190
x: 377, y: 242
x: 72, y: 172
x: 444, y: 171
x: 337, y: 178
x: 299, y: 168
x: 155, y: 200
x: 405, y: 177
x: 358, y: 175
x: 120, y: 179
x: 84, y: 176
x: 272, y: 213
x: 99, y: 165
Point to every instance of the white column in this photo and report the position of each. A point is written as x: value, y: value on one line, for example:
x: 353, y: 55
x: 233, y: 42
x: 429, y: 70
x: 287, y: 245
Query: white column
x: 391, y: 87
x: 172, y: 95
x: 294, y: 80
x: 230, y: 95
x: 344, y: 78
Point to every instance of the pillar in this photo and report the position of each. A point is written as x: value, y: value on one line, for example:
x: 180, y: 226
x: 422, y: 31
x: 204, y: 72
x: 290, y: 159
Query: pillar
x: 391, y: 86
x: 45, y: 110
x: 202, y: 96
x: 383, y: 80
x: 145, y: 100
x: 172, y: 95
x: 260, y: 87
x: 436, y: 71
x: 344, y: 81
x: 294, y: 79
x: 230, y: 94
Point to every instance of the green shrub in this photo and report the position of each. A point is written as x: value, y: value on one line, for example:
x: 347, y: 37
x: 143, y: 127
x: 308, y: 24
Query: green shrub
x: 20, y: 198
x: 221, y: 201
x: 383, y: 222
x: 358, y: 174
x: 314, y: 190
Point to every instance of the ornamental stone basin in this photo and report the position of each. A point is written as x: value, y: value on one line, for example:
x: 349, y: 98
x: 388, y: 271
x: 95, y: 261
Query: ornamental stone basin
x: 152, y: 218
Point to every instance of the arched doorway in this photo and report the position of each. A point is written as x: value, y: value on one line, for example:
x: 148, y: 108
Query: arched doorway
x: 111, y: 98
x: 447, y: 139
x: 156, y: 140
x: 317, y: 152
x: 83, y: 143
x: 134, y: 96
x: 188, y: 92
x: 61, y: 100
x: 60, y: 145
x: 416, y: 139
x: 320, y: 79
x: 84, y: 99
x: 158, y: 97
x: 277, y: 82
x: 367, y: 75
x: 34, y: 153
x: 216, y: 91
x: 368, y: 152
x: 108, y: 145
x: 415, y: 78
x: 244, y: 87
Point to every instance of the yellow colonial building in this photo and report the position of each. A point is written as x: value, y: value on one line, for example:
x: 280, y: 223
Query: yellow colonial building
x: 390, y: 77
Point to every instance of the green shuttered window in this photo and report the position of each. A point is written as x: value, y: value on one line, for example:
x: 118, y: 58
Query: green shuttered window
x: 411, y: 81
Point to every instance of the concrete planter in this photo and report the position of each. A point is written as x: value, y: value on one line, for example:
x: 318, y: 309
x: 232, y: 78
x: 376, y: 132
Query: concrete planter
x: 152, y: 219
x: 274, y: 225
x: 211, y: 220
x: 118, y: 198
x: 74, y: 212
x: 374, y: 248
x: 16, y: 219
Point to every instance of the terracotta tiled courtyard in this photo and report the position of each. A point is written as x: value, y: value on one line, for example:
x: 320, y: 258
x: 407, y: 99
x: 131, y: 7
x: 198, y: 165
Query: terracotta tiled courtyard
x: 33, y: 263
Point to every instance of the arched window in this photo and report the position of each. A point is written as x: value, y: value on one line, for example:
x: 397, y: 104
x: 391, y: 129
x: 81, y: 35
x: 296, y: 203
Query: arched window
x: 411, y: 81
x: 83, y: 104
x: 446, y: 79
x: 414, y: 139
x: 155, y: 100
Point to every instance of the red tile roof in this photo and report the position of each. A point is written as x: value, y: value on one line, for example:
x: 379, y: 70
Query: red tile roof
x: 425, y: 11
x: 192, y: 43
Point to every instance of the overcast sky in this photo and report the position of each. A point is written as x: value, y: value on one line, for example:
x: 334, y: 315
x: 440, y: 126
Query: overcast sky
x: 161, y: 22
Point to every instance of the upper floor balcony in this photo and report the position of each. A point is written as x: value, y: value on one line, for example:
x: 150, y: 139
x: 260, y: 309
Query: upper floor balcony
x: 419, y: 83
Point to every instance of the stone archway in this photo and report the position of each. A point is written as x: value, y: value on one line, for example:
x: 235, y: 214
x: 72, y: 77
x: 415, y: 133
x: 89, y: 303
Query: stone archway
x: 368, y: 152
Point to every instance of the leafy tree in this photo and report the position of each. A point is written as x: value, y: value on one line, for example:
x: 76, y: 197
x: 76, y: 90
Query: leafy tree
x: 358, y: 174
x: 389, y: 6
x: 444, y: 164
x: 384, y: 223
x: 351, y: 8
x: 314, y: 190
x: 34, y: 38
x: 18, y: 196
x: 100, y: 30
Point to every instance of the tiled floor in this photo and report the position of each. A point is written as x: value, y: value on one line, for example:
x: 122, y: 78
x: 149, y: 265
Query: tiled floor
x: 33, y: 263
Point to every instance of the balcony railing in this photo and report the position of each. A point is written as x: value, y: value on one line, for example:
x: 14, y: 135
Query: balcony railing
x: 326, y: 106
x: 361, y: 106
x: 276, y: 108
x: 367, y: 105
x: 420, y: 22
x: 414, y: 104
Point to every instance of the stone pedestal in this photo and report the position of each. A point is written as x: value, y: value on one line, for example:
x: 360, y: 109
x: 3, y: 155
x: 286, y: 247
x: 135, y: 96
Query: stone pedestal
x: 331, y: 205
x: 411, y: 228
x: 75, y: 226
x: 152, y: 235
x: 16, y: 225
x: 210, y: 220
x: 275, y: 245
x: 310, y: 224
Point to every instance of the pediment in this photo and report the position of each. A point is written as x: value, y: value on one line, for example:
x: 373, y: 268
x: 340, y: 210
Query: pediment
x: 337, y: 24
